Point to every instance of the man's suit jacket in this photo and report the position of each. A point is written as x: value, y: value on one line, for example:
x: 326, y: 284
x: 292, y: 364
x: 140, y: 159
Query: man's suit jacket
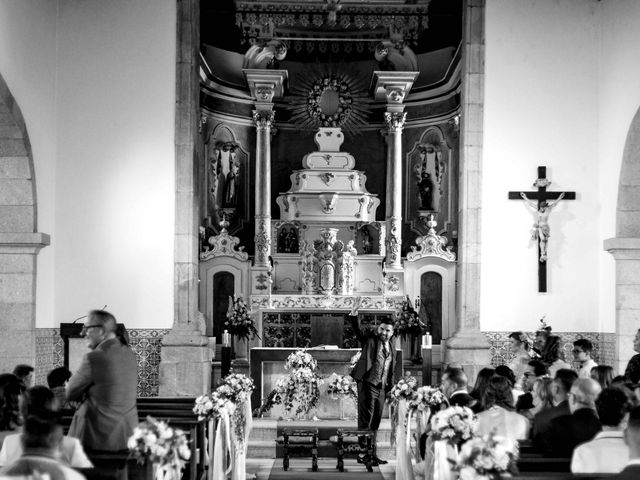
x: 463, y: 399
x: 107, y: 381
x: 542, y: 420
x: 569, y: 431
x: 630, y: 472
x: 369, y: 340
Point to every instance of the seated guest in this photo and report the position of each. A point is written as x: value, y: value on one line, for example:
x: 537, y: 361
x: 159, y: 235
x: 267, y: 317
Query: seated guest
x: 454, y: 386
x: 607, y: 452
x: 507, y: 373
x: 542, y: 396
x: 519, y: 344
x: 499, y: 415
x: 10, y: 391
x: 57, y: 380
x: 632, y: 371
x: 482, y: 380
x: 40, y: 401
x: 603, y: 374
x: 40, y: 441
x: 560, y: 388
x: 582, y: 425
x: 535, y: 369
x: 582, y: 351
x: 632, y: 439
x: 24, y: 374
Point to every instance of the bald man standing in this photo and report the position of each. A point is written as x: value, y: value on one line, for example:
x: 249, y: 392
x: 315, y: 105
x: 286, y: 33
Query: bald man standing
x: 106, y: 384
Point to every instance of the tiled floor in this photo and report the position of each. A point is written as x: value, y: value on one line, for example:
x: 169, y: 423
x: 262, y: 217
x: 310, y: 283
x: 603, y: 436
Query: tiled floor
x: 261, y: 467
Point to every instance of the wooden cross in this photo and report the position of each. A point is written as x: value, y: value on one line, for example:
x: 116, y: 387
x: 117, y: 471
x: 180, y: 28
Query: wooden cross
x: 546, y: 201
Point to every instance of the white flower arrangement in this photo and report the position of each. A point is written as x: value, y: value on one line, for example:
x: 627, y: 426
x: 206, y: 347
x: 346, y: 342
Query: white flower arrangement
x: 454, y: 424
x: 342, y: 386
x: 300, y: 359
x: 487, y: 458
x: 164, y: 446
x: 404, y: 389
x: 427, y: 398
x: 234, y: 389
x: 239, y: 322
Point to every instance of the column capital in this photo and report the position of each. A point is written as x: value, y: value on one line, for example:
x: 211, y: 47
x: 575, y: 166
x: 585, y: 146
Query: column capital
x: 395, y: 120
x: 265, y: 85
x: 263, y: 119
x: 392, y: 87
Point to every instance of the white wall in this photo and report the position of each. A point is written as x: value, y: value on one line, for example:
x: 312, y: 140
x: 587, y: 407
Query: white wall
x: 541, y: 108
x: 619, y: 100
x: 96, y: 84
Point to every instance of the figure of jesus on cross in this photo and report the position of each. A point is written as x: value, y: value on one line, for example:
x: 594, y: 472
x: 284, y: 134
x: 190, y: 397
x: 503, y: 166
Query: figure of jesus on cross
x: 541, y: 230
x: 542, y: 202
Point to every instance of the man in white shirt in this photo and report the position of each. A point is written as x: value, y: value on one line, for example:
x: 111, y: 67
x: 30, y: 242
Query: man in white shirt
x: 607, y: 452
x: 632, y: 438
x: 582, y: 351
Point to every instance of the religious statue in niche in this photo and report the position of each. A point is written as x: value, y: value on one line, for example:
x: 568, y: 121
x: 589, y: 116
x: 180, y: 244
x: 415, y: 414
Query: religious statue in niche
x: 428, y: 171
x: 366, y: 241
x: 232, y: 184
x: 540, y: 230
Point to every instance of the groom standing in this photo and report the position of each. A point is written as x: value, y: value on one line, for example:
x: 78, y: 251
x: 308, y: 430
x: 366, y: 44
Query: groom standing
x: 374, y: 373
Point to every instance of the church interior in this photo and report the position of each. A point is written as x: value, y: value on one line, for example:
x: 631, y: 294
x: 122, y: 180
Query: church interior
x: 160, y: 157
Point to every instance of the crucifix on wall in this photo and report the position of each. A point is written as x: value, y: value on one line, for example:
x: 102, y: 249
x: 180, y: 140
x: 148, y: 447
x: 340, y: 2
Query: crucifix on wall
x: 542, y: 202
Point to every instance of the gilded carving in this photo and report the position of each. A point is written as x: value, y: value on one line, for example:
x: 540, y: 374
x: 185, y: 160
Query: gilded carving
x: 395, y: 120
x: 263, y: 119
x: 431, y: 245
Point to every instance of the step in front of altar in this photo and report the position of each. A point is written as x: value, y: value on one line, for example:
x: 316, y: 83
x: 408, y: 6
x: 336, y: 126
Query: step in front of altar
x: 265, y: 431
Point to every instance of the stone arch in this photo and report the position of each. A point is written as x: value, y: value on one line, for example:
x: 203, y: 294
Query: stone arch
x: 19, y: 240
x: 626, y: 247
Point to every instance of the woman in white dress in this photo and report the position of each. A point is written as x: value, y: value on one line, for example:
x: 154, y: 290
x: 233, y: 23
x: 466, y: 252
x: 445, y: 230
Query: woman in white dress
x: 519, y: 344
x: 499, y: 415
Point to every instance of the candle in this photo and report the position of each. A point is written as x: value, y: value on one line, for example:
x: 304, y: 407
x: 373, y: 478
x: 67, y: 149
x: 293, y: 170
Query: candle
x: 214, y: 348
x: 226, y: 339
x: 426, y: 341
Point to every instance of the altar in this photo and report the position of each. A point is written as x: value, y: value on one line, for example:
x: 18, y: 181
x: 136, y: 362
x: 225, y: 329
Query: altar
x: 267, y: 366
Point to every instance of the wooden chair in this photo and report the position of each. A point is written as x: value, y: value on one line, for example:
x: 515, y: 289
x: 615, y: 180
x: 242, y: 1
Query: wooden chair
x: 347, y: 442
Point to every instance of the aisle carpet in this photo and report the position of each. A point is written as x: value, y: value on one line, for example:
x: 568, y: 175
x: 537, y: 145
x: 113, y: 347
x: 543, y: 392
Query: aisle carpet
x: 352, y: 472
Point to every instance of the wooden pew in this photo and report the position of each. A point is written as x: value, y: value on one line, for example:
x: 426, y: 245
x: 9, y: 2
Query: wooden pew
x: 178, y: 412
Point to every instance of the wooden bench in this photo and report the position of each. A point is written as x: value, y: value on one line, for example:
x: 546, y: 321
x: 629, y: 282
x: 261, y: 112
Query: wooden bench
x: 299, y: 441
x: 347, y: 442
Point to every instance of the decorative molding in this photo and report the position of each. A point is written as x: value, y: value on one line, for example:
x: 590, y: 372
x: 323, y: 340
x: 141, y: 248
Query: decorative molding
x: 263, y: 119
x: 264, y: 54
x: 262, y: 240
x: 395, y: 120
x: 323, y: 302
x: 431, y: 245
x: 394, y: 241
x: 224, y: 245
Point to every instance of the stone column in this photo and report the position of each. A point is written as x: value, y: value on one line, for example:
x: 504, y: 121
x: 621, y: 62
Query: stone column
x: 264, y: 85
x: 469, y: 347
x: 393, y: 87
x: 626, y: 252
x: 185, y: 366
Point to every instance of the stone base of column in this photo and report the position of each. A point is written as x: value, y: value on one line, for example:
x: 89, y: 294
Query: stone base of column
x: 470, y: 350
x: 185, y: 365
x: 626, y: 252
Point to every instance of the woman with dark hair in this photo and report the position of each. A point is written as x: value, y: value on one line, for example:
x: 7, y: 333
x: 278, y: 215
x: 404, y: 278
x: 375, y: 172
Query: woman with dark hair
x: 499, y: 415
x: 552, y: 355
x: 10, y: 390
x: 39, y: 401
x: 519, y: 345
x: 482, y: 380
x: 603, y: 374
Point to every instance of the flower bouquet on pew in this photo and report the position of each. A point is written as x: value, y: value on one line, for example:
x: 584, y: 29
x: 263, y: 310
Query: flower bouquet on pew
x: 405, y: 389
x: 487, y: 458
x: 165, y: 447
x: 428, y: 399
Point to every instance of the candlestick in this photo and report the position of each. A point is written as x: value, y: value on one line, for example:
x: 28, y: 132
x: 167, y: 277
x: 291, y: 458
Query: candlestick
x: 214, y: 348
x: 226, y: 339
x: 427, y: 341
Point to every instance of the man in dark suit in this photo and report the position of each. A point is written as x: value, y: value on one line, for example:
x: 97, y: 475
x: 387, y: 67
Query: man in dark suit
x: 568, y: 431
x: 374, y: 373
x: 106, y: 384
x: 454, y: 386
x: 560, y: 389
x: 632, y: 438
